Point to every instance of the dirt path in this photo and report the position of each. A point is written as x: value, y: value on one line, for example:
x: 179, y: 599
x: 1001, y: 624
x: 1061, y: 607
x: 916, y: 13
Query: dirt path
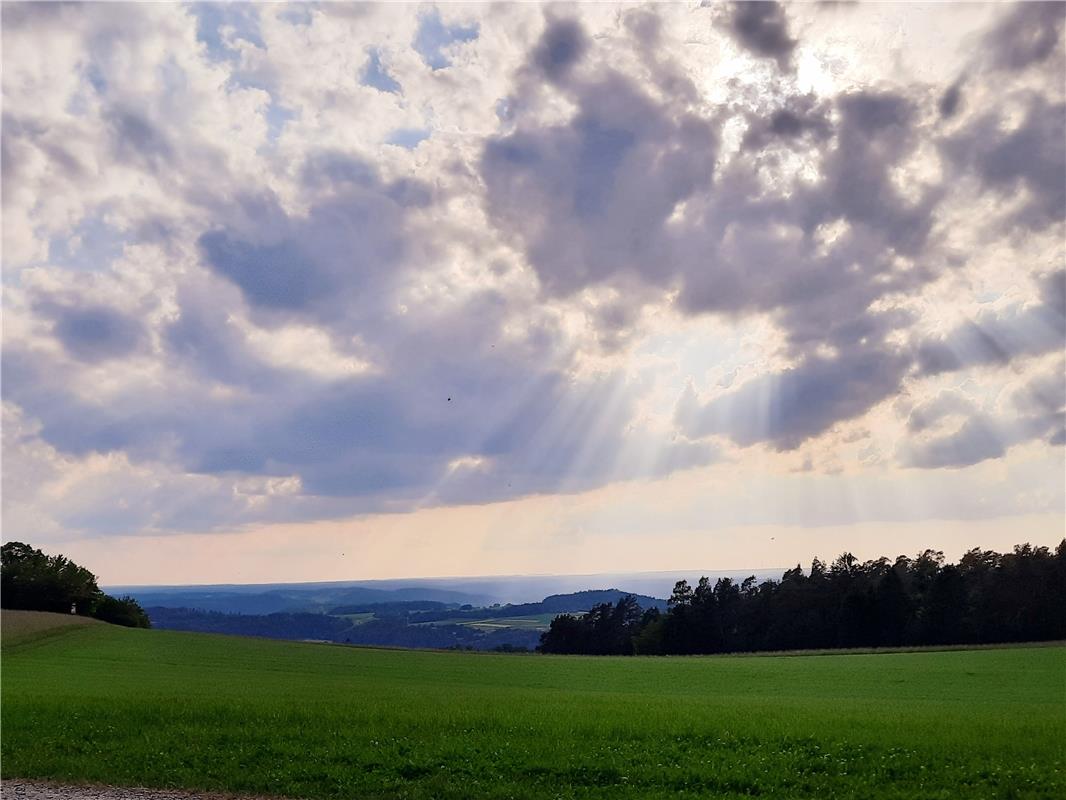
x: 32, y: 790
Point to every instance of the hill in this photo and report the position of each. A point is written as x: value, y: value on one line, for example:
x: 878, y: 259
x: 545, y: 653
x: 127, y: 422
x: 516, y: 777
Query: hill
x: 268, y: 598
x: 310, y: 598
x: 97, y: 703
x: 413, y: 623
x: 17, y: 627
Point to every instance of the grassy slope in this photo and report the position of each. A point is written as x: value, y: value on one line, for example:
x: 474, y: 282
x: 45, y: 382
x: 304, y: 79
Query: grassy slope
x: 19, y: 627
x: 161, y: 708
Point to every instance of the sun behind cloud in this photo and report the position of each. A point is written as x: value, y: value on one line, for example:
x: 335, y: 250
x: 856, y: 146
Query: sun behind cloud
x: 279, y: 274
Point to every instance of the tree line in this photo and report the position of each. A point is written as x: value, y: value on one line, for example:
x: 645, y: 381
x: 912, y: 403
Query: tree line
x: 987, y: 597
x: 33, y: 581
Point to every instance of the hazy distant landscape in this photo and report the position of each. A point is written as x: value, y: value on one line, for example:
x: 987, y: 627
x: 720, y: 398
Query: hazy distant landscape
x: 500, y: 589
x: 476, y: 613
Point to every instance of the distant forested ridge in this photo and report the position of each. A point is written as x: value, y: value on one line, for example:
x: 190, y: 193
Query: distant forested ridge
x: 30, y: 580
x: 987, y: 597
x: 388, y: 628
x: 412, y: 623
x: 553, y: 604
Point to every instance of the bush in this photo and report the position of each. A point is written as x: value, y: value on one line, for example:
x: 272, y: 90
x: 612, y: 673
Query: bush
x: 121, y: 611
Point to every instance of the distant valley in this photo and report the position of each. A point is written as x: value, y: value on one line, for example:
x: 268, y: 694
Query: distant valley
x: 480, y: 613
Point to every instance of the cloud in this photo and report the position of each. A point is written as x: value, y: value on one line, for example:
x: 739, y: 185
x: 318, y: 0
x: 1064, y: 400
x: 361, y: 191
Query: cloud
x: 561, y: 46
x: 762, y: 27
x: 94, y: 333
x: 239, y: 280
x: 435, y: 38
x: 976, y: 441
x: 952, y: 430
x: 789, y: 407
x: 1030, y: 157
x: 589, y: 199
x: 1027, y: 34
x: 802, y: 117
x: 1000, y: 338
x: 951, y: 100
x: 324, y: 264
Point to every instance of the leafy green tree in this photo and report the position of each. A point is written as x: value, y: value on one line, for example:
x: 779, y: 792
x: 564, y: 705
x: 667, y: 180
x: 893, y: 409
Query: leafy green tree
x: 33, y: 581
x: 121, y: 611
x: 29, y: 579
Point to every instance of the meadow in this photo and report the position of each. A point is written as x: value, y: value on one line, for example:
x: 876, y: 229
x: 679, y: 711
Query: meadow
x: 101, y: 704
x: 532, y: 622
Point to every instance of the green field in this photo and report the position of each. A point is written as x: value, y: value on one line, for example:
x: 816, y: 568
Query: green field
x: 359, y: 618
x: 102, y: 704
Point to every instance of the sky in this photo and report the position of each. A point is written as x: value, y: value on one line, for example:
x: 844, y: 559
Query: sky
x: 334, y: 291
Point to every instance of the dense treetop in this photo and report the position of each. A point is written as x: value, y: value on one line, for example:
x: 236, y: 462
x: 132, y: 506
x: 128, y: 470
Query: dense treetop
x: 986, y: 597
x: 34, y: 581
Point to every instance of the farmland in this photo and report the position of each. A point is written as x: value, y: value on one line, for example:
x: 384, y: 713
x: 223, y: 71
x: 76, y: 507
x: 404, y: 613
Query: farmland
x: 531, y: 622
x: 103, y: 704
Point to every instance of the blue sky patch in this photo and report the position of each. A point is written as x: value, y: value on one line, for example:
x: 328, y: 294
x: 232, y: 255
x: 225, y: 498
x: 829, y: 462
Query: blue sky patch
x: 375, y: 76
x: 434, y: 37
x: 297, y: 13
x: 408, y: 138
x: 212, y: 17
x: 277, y: 116
x: 99, y: 246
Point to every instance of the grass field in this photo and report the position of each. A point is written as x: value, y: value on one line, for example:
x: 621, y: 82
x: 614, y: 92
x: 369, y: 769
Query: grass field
x: 165, y: 709
x: 529, y: 622
x: 357, y: 619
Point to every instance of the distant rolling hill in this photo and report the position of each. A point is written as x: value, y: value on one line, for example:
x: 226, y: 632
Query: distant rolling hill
x: 269, y: 598
x: 415, y: 623
x: 297, y: 598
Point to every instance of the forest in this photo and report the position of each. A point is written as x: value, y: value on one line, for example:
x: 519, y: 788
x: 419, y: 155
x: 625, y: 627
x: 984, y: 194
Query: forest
x: 987, y: 597
x: 33, y: 581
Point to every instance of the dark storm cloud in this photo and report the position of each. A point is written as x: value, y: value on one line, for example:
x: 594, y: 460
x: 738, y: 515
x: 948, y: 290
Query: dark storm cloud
x: 762, y: 27
x: 1028, y: 34
x: 561, y: 46
x: 203, y: 341
x: 977, y: 440
x: 789, y: 407
x: 1035, y: 411
x: 1040, y: 405
x: 875, y: 134
x: 633, y: 194
x: 378, y: 439
x: 804, y: 117
x: 999, y: 338
x: 950, y: 100
x: 589, y: 198
x: 593, y: 202
x: 136, y: 138
x: 332, y: 262
x: 760, y: 249
x: 930, y: 413
x: 274, y: 276
x: 1031, y: 156
x: 93, y: 333
x: 563, y: 192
